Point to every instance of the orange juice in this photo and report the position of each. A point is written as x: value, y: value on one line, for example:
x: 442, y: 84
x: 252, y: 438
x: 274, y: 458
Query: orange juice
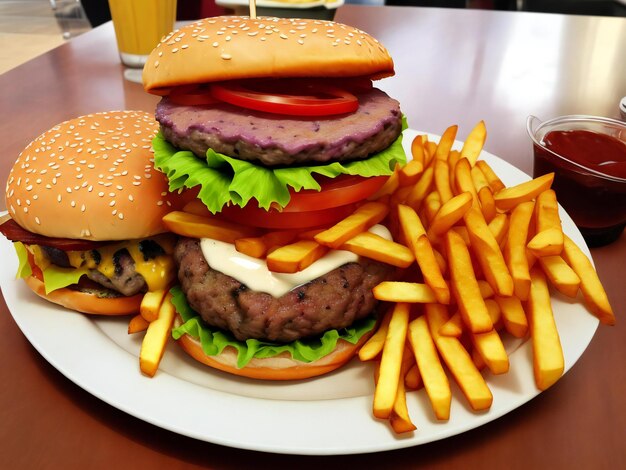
x: 140, y: 25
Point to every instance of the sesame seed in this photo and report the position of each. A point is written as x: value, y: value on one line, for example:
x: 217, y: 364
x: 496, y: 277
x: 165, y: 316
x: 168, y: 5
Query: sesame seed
x: 226, y: 56
x: 37, y: 220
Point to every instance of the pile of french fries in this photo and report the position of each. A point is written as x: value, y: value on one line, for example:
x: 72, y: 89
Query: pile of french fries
x: 486, y: 258
x: 477, y: 259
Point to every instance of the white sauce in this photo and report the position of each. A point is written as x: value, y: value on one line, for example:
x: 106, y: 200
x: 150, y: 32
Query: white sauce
x: 253, y: 272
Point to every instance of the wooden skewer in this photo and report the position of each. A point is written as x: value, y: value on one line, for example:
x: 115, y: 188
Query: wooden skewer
x: 253, y: 9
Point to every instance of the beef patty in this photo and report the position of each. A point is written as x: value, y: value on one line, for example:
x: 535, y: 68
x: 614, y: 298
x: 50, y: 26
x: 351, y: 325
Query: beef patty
x: 283, y: 140
x: 334, y: 300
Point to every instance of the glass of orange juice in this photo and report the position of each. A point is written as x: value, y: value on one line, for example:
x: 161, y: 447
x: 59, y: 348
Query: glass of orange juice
x: 139, y: 26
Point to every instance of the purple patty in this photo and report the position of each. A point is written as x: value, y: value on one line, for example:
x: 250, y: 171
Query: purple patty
x: 283, y: 140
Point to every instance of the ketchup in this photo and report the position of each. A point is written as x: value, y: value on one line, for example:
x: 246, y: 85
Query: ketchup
x: 596, y: 203
x: 600, y: 152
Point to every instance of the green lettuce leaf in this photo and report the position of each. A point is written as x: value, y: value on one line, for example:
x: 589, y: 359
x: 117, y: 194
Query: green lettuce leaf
x: 225, y: 180
x: 214, y: 341
x: 23, y: 269
x: 54, y: 277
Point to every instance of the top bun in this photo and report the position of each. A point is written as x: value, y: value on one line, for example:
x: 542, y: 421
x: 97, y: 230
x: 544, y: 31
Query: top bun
x: 235, y: 47
x: 91, y: 178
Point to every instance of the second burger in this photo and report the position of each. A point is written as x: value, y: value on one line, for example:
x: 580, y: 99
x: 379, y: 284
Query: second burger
x: 276, y: 125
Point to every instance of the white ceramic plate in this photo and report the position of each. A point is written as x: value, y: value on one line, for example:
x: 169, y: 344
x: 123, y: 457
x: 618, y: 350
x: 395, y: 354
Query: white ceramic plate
x: 323, y: 416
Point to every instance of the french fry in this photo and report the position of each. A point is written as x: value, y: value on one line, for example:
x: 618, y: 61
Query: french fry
x: 449, y: 214
x: 491, y: 349
x: 453, y: 327
x: 407, y: 292
x: 434, y: 377
x: 410, y: 173
x: 453, y: 157
x: 431, y: 205
x: 592, y: 289
x: 295, y: 257
x: 485, y: 194
x: 251, y: 246
x: 474, y: 143
x: 495, y: 183
x: 363, y: 218
x: 463, y: 180
x: 549, y: 238
x: 560, y: 275
x: 487, y: 251
x: 196, y: 226
x: 515, y: 248
x: 378, y: 248
x: 391, y: 360
x: 499, y: 227
x: 258, y: 247
x: 548, y: 361
x: 417, y: 150
x: 137, y: 324
x: 445, y: 143
x: 477, y: 359
x: 546, y: 243
x: 442, y: 180
x: 413, y: 379
x: 486, y: 291
x: 399, y: 418
x: 458, y: 360
x: 419, y: 244
x: 374, y: 345
x: 420, y: 190
x: 508, y: 198
x: 513, y: 315
x: 465, y: 287
x: 430, y: 149
x: 151, y: 303
x: 153, y: 344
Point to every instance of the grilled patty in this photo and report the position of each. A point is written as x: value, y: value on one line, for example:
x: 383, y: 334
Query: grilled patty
x: 126, y: 280
x: 334, y: 300
x: 283, y: 140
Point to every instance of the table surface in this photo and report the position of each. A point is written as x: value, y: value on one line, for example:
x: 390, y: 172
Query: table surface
x: 452, y: 67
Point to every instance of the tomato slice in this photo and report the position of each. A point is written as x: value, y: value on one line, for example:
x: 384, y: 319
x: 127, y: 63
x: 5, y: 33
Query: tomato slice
x: 254, y: 216
x: 337, y: 199
x: 192, y: 95
x: 295, y: 97
x: 335, y: 192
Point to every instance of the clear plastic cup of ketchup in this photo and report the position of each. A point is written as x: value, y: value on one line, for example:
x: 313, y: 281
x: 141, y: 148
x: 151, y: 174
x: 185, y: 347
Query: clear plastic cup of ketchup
x: 588, y: 157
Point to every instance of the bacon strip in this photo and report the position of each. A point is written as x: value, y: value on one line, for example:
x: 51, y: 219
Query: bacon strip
x: 14, y: 232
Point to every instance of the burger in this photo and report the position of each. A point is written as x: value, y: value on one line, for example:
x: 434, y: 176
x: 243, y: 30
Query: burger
x: 85, y: 208
x: 273, y: 124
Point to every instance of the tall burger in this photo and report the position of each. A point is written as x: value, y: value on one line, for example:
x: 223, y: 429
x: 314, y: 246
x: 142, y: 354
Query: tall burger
x: 275, y: 124
x: 85, y: 208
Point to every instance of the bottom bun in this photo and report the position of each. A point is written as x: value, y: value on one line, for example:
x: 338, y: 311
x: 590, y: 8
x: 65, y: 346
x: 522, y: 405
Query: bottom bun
x: 85, y: 302
x: 281, y: 367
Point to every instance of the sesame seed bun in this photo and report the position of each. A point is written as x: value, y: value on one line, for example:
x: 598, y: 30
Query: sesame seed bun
x: 281, y: 367
x: 91, y: 178
x: 235, y: 47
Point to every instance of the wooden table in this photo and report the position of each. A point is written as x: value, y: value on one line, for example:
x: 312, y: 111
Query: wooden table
x: 453, y: 66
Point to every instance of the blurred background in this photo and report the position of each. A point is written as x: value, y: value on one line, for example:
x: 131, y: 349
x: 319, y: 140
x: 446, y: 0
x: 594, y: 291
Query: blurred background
x: 29, y: 28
